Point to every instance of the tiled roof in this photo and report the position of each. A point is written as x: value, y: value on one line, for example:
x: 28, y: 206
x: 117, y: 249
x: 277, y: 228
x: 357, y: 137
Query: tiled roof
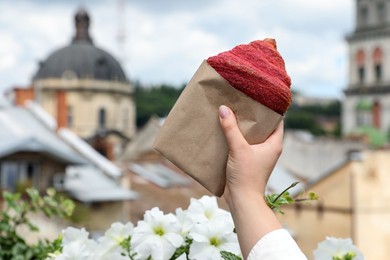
x: 159, y: 174
x: 20, y: 131
x: 89, y: 184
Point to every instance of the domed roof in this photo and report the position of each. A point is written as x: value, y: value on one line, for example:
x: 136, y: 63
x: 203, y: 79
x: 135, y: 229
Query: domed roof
x: 81, y: 58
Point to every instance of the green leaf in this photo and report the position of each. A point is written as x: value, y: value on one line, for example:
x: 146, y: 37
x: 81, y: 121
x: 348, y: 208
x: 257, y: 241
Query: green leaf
x: 183, y: 249
x: 32, y: 227
x: 313, y: 196
x: 68, y: 206
x: 16, y: 213
x: 276, y: 201
x: 229, y: 256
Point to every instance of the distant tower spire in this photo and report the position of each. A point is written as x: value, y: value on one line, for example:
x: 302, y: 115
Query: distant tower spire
x: 82, y: 26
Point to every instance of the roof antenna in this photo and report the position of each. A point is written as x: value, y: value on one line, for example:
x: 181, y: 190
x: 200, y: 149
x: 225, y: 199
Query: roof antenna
x: 121, y: 33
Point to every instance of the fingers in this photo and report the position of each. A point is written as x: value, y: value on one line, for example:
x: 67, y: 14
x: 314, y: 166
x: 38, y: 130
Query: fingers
x: 276, y: 138
x: 233, y: 135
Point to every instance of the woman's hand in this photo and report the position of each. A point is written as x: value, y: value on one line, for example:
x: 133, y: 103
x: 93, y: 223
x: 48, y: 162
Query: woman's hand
x: 247, y: 172
x: 249, y: 166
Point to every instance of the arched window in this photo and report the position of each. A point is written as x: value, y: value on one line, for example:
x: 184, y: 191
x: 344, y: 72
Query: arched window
x: 377, y: 57
x: 360, y: 60
x: 102, y: 117
x: 70, y: 116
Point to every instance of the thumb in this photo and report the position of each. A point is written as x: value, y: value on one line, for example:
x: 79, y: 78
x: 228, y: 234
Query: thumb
x: 233, y: 135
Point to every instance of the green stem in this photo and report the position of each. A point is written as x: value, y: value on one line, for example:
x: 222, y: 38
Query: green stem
x: 285, y: 190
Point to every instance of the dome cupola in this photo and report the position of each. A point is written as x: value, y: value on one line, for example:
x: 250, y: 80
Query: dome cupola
x: 81, y: 59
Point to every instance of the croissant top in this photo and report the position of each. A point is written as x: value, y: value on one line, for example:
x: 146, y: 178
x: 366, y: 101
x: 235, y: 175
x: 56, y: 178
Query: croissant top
x: 258, y: 70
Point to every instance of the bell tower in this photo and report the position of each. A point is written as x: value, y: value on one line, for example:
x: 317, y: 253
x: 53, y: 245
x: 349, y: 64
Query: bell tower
x: 367, y: 96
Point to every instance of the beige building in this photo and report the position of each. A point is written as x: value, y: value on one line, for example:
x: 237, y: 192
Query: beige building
x: 354, y: 202
x: 87, y: 91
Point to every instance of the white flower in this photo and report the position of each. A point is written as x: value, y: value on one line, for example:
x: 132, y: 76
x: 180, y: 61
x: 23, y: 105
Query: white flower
x: 119, y: 232
x: 110, y: 244
x: 71, y: 234
x: 76, y: 251
x: 212, y: 237
x: 206, y: 209
x: 158, y: 235
x: 111, y: 255
x: 337, y: 249
x: 185, y: 221
x: 76, y: 245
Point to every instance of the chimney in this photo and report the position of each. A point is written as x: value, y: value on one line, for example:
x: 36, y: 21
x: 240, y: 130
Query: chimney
x: 62, y: 112
x: 22, y: 95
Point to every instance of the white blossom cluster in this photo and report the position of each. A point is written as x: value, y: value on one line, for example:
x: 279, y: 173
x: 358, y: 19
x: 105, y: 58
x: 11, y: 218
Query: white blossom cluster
x: 158, y: 236
x: 337, y: 249
x: 203, y: 226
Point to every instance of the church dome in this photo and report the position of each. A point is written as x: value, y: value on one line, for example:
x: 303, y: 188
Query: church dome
x: 81, y: 59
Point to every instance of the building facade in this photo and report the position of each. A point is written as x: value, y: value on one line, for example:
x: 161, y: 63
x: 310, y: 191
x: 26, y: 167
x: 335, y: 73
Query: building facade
x: 87, y: 91
x: 354, y: 203
x: 367, y: 96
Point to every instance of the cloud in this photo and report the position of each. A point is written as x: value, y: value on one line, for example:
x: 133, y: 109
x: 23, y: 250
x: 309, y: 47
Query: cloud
x: 167, y: 40
x: 317, y: 65
x: 172, y: 7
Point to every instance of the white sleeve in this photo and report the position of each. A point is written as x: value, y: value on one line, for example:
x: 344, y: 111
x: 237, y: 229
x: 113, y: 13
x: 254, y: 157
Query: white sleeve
x: 276, y: 245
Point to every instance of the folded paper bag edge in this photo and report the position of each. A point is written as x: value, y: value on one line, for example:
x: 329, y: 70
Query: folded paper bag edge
x: 190, y: 121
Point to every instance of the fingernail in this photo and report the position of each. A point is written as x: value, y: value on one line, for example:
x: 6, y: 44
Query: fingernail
x: 223, y: 111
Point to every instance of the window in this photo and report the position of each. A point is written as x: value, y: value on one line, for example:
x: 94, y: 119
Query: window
x: 381, y: 11
x: 376, y: 115
x: 102, y: 118
x: 363, y: 12
x: 378, y: 72
x: 70, y: 116
x: 361, y: 74
x: 360, y: 60
x: 364, y: 113
x: 363, y: 118
x: 18, y: 175
x: 9, y: 175
x: 377, y: 57
x: 69, y: 75
x: 125, y: 118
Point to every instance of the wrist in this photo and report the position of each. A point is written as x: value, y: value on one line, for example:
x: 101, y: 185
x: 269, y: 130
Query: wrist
x: 241, y: 198
x: 252, y: 217
x: 247, y: 184
x: 244, y: 193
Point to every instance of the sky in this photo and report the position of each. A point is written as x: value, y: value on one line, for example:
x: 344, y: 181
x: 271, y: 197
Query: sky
x: 166, y: 41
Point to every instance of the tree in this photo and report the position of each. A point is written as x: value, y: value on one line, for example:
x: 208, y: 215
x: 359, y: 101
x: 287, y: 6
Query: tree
x: 310, y: 117
x: 156, y: 100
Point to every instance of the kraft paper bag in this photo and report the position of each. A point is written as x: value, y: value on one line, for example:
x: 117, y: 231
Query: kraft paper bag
x: 192, y: 138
